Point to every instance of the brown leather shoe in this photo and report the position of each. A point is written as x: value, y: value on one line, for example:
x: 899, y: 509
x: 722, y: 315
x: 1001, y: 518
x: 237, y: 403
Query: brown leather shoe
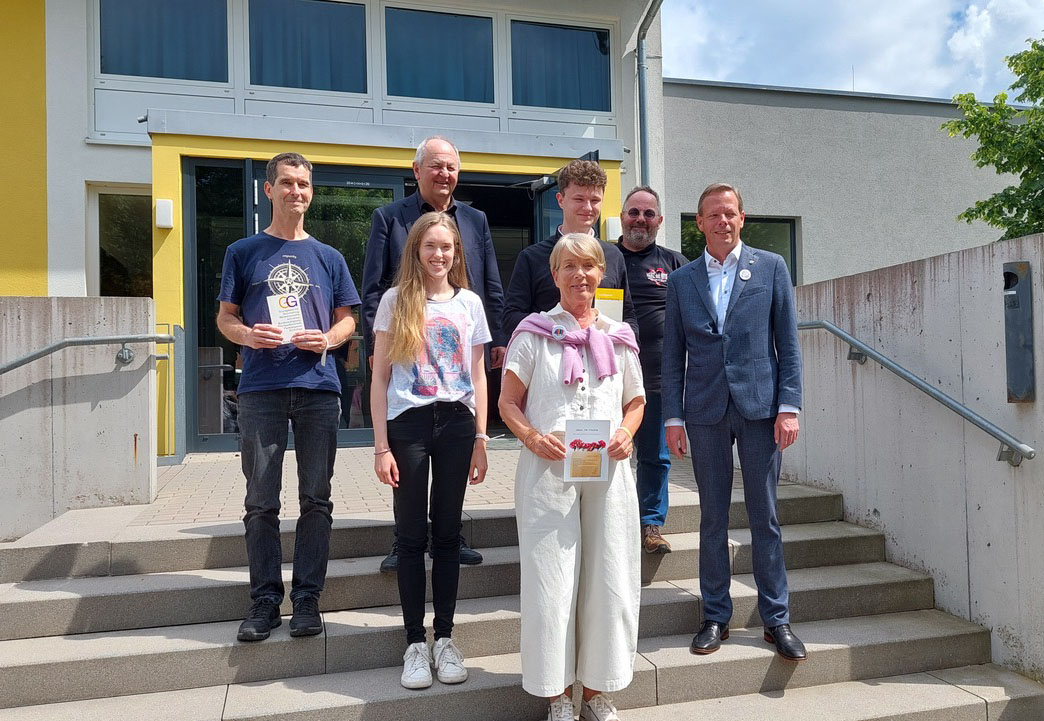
x: 653, y: 542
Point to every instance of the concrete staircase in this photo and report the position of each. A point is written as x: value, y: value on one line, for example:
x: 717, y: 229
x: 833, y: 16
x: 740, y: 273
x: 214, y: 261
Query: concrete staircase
x: 143, y: 627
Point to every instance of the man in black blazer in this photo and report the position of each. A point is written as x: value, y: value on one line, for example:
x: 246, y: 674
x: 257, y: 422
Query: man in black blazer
x: 436, y: 167
x: 581, y: 186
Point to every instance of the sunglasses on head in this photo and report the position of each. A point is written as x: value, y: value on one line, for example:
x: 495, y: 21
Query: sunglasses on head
x: 649, y: 213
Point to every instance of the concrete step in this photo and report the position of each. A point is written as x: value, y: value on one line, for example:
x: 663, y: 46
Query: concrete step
x: 98, y: 542
x: 840, y: 651
x: 63, y: 668
x: 85, y: 605
x: 969, y: 693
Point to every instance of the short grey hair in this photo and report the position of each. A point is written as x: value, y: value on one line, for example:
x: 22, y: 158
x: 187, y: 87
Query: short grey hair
x: 645, y: 189
x: 422, y: 149
x: 582, y: 245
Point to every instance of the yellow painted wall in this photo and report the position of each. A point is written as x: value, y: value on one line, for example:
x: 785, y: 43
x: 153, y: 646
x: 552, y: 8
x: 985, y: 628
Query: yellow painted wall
x: 23, y: 134
x: 169, y: 245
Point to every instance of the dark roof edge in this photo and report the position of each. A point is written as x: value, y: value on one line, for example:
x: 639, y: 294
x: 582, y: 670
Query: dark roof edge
x: 816, y: 91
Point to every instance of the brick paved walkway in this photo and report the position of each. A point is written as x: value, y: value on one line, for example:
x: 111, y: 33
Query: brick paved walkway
x: 209, y: 487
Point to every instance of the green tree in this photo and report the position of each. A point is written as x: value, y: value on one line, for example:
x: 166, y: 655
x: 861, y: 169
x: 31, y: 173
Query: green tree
x: 1011, y: 139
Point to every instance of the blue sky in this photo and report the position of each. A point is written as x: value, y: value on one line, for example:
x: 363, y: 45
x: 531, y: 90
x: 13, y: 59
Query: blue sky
x: 930, y: 48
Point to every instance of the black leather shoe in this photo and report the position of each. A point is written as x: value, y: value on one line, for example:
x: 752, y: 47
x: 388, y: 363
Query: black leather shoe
x: 709, y: 639
x: 263, y: 617
x: 788, y: 645
x: 390, y: 564
x: 468, y: 556
x: 306, y: 620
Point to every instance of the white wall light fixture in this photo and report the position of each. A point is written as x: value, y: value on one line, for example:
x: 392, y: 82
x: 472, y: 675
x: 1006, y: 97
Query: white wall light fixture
x: 164, y: 213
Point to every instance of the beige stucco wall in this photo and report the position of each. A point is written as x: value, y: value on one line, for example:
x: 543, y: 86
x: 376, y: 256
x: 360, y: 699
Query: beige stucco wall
x: 872, y: 180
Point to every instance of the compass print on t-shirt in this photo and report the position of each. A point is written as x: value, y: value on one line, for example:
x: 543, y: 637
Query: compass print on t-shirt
x: 289, y: 278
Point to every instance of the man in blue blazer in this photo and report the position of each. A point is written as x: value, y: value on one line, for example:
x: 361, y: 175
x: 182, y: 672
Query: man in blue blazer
x: 732, y: 373
x: 436, y: 167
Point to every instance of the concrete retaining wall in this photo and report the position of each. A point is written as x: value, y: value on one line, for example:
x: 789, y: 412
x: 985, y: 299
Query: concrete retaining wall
x: 77, y: 429
x: 912, y: 468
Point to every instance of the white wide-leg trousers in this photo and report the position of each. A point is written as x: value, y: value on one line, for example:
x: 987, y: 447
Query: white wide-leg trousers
x: 580, y: 577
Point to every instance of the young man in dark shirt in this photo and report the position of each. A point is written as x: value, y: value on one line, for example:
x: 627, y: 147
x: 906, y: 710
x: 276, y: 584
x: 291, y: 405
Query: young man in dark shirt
x: 581, y: 186
x: 648, y: 266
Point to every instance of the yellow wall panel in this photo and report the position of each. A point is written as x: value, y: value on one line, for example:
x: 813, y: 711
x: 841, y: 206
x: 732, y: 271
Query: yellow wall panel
x: 23, y: 135
x: 168, y: 246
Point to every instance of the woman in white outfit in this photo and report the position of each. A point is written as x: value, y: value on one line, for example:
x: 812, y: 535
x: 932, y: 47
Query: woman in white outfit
x: 578, y: 542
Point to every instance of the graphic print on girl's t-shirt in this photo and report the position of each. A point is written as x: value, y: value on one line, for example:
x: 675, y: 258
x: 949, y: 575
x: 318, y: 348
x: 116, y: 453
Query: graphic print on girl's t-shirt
x: 442, y: 363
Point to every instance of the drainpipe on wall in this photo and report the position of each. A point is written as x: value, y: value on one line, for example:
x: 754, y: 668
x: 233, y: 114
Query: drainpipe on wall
x: 643, y: 119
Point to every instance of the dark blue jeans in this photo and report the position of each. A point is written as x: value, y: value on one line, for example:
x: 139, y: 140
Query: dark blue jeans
x: 263, y: 421
x: 654, y: 462
x: 442, y: 436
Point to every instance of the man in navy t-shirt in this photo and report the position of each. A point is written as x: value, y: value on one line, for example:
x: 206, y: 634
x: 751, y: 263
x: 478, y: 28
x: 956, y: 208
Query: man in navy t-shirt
x: 285, y: 298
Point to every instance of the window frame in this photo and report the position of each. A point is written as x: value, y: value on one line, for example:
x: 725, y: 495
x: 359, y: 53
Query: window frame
x: 429, y: 105
x: 92, y: 262
x: 136, y: 81
x: 376, y: 101
x: 792, y: 222
x: 255, y: 91
x: 541, y: 112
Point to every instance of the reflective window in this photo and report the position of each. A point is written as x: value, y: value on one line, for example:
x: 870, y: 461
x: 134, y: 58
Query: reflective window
x: 555, y: 66
x: 439, y: 55
x: 219, y: 223
x: 314, y: 44
x: 186, y: 40
x: 776, y: 235
x: 125, y: 245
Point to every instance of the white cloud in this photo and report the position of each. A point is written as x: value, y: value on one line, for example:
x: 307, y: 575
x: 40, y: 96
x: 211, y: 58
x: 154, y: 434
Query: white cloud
x: 931, y: 48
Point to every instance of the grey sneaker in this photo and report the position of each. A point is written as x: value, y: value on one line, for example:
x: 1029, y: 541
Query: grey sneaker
x: 449, y: 662
x: 416, y: 667
x: 561, y: 709
x: 599, y: 708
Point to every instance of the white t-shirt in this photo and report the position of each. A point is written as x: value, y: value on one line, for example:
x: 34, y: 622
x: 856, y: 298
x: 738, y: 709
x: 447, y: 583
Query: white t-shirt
x: 443, y: 370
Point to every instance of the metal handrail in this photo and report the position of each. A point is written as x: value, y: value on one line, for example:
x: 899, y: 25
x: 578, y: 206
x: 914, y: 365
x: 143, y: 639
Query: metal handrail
x: 1012, y: 449
x: 123, y: 356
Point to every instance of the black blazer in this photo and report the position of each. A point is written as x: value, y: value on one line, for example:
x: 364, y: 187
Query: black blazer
x: 532, y: 289
x: 389, y: 226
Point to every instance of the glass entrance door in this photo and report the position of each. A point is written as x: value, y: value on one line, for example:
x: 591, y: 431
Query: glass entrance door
x: 342, y: 205
x: 225, y: 201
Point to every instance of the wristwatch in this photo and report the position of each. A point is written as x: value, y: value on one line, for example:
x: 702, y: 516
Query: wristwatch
x: 481, y: 437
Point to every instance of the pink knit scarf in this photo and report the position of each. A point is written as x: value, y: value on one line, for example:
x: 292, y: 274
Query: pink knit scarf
x: 599, y: 345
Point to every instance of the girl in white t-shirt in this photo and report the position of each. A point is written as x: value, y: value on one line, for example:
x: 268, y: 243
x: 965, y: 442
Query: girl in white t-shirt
x: 428, y: 399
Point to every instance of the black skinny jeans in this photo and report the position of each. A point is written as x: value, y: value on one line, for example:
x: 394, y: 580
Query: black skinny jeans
x: 442, y: 435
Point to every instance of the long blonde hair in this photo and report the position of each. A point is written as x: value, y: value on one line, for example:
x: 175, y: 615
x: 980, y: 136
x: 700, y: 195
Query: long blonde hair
x: 408, y: 316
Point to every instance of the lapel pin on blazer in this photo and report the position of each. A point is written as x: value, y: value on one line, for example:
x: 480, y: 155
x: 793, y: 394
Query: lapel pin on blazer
x: 744, y: 274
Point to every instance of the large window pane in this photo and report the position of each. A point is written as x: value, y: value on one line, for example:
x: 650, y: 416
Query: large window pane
x: 125, y: 245
x: 772, y: 234
x: 439, y: 55
x: 554, y: 66
x: 340, y: 217
x: 219, y: 223
x: 314, y: 44
x: 187, y: 39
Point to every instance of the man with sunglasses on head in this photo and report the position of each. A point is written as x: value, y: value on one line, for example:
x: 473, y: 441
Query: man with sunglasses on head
x: 648, y: 266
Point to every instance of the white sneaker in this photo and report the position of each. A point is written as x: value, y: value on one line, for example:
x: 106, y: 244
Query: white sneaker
x: 561, y: 709
x: 416, y: 667
x: 449, y: 662
x: 599, y: 708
